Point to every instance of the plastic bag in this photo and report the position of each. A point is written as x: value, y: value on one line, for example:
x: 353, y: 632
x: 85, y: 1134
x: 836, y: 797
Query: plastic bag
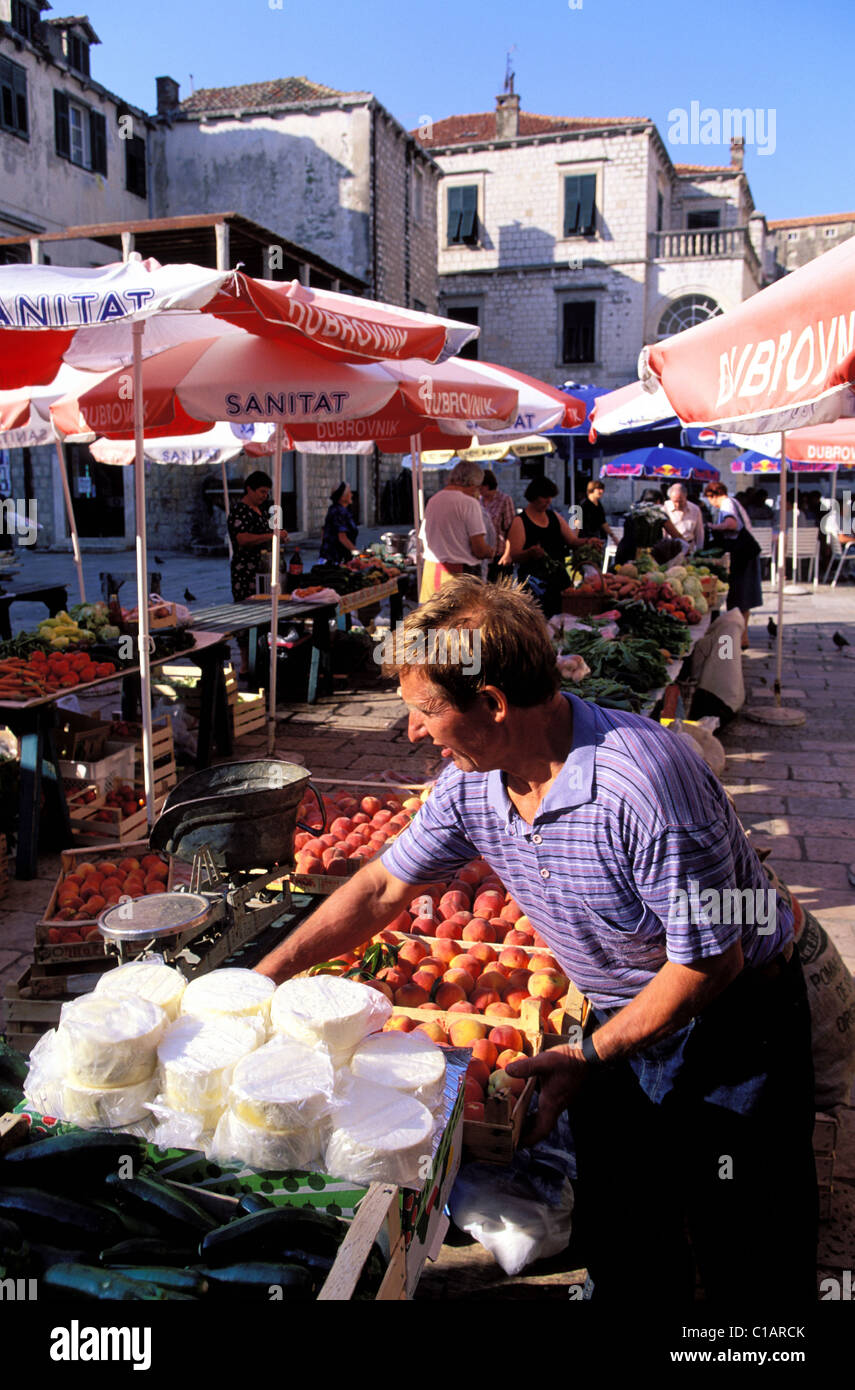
x: 379, y: 1135
x: 500, y: 1210
x: 110, y: 1042
x: 266, y: 1150
x: 283, y: 1086
x: 330, y: 1012
x: 49, y: 1088
x: 196, y: 1061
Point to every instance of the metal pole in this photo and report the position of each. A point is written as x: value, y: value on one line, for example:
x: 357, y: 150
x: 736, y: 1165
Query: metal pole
x: 274, y: 589
x: 572, y: 472
x: 418, y: 502
x: 795, y: 526
x: 226, y: 504
x: 72, y: 524
x: 137, y: 331
x: 782, y: 555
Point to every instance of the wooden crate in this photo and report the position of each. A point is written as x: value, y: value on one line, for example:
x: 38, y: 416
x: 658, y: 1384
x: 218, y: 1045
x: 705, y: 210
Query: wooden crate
x: 824, y: 1147
x: 249, y: 713
x: 321, y: 885
x: 28, y: 1017
x: 78, y: 951
x: 119, y: 828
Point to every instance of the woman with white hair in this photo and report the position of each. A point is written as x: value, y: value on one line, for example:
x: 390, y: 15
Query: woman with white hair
x: 454, y: 531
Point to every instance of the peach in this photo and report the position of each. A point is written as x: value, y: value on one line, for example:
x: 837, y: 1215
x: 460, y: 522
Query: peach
x: 381, y: 817
x: 411, y: 997
x: 433, y: 1030
x: 518, y: 979
x: 502, y: 1084
x: 485, y: 1051
x: 395, y: 976
x: 361, y: 818
x: 479, y: 929
x: 399, y: 1023
x: 478, y: 1071
x: 425, y: 979
x: 450, y: 903
x: 518, y: 938
x: 413, y: 952
x: 473, y: 1110
x: 493, y: 979
x: 460, y: 977
x: 460, y: 920
x: 370, y: 805
x: 400, y: 923
x: 547, y: 984
x: 480, y: 951
x: 445, y: 950
x: 383, y: 988
x: 464, y: 1007
x: 515, y: 998
x: 448, y: 994
x: 484, y: 998
x: 542, y: 960
x: 488, y: 904
x: 465, y: 1031
x: 447, y: 931
x: 511, y: 912
x: 505, y: 1036
x: 470, y: 875
x: 514, y: 957
x: 472, y: 1089
x: 422, y: 926
x: 501, y: 1010
x: 505, y: 1058
x: 470, y: 964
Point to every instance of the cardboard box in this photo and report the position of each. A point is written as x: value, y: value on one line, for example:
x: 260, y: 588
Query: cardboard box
x: 78, y: 738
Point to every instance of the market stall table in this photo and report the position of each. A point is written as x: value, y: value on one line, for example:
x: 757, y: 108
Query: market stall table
x: 33, y: 721
x: 254, y: 617
x: 53, y: 596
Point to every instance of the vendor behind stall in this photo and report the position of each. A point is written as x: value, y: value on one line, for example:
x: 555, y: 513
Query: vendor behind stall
x: 691, y: 1103
x: 338, y: 543
x: 251, y: 534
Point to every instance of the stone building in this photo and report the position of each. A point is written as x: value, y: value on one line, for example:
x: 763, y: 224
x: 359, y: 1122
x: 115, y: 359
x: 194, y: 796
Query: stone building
x: 801, y: 239
x: 71, y: 151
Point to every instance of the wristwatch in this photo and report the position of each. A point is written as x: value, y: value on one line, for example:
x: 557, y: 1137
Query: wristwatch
x: 590, y: 1053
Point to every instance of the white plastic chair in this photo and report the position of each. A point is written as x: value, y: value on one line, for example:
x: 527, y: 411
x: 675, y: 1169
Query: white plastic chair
x: 840, y: 553
x: 611, y: 547
x: 764, y: 537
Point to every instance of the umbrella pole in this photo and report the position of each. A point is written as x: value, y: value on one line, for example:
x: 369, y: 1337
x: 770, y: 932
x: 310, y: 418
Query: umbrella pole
x: 418, y: 502
x: 274, y: 591
x: 226, y: 504
x: 137, y: 330
x: 572, y: 473
x: 72, y: 524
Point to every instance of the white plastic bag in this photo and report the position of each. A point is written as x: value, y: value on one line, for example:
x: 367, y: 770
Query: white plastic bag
x: 494, y: 1207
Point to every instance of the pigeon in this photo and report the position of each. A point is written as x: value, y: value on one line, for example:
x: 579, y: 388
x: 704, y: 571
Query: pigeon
x: 158, y: 561
x: 772, y: 628
x: 839, y: 640
x: 188, y: 597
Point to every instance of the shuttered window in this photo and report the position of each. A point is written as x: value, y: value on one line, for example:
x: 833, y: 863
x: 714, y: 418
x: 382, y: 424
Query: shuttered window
x: 13, y: 97
x: 135, y: 173
x: 579, y: 331
x: 98, y: 143
x: 580, y: 192
x: 463, y: 215
x: 81, y: 134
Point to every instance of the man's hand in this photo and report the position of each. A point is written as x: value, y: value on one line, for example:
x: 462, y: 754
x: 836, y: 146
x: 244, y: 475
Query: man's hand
x: 561, y: 1072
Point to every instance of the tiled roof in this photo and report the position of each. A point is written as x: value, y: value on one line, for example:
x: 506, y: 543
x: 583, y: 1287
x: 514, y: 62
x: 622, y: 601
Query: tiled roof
x: 682, y: 169
x: 812, y: 221
x: 480, y: 127
x: 281, y: 91
x: 69, y: 20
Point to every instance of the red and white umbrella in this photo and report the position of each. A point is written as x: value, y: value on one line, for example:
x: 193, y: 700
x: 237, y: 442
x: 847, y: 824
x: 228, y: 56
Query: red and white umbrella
x: 629, y: 408
x: 784, y: 358
x: 51, y: 314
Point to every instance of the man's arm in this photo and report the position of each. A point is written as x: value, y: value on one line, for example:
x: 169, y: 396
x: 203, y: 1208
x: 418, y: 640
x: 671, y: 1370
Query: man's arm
x: 675, y: 995
x: 352, y: 914
x: 479, y: 547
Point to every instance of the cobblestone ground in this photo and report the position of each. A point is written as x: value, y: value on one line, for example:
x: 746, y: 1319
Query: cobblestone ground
x: 794, y: 790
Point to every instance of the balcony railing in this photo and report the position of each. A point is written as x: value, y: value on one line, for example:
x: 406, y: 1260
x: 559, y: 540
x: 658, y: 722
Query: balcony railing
x: 709, y: 243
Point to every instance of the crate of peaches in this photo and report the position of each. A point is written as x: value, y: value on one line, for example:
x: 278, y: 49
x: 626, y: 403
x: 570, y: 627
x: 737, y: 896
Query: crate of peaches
x: 88, y: 883
x: 119, y: 815
x: 355, y: 824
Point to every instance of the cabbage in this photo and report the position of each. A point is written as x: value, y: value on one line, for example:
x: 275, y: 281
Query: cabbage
x: 700, y: 603
x: 108, y: 632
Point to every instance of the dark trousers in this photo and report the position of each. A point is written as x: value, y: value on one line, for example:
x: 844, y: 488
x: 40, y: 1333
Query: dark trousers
x: 700, y: 1151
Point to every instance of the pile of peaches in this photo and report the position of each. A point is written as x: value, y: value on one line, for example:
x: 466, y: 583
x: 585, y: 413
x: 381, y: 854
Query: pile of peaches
x: 93, y: 885
x: 356, y: 830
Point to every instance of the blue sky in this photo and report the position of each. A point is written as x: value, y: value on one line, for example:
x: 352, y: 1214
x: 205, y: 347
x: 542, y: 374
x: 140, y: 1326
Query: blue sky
x: 604, y: 58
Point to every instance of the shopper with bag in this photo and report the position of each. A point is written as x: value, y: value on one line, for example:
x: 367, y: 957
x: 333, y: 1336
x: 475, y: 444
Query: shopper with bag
x: 733, y: 531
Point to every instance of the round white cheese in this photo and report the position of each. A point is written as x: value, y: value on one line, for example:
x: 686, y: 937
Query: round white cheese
x: 110, y: 1042
x: 196, y: 1059
x: 230, y: 993
x: 282, y: 1086
x: 266, y: 1150
x: 379, y: 1135
x: 328, y: 1011
x: 105, y: 1107
x: 408, y: 1062
x: 146, y: 979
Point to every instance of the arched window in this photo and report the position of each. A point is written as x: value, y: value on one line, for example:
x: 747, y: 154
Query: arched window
x: 685, y: 313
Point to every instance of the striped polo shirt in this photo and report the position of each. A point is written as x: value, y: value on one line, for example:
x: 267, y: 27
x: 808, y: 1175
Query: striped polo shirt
x: 635, y: 856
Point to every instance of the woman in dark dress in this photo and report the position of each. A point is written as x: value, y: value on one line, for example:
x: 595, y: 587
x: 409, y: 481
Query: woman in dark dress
x: 338, y: 543
x: 250, y: 532
x: 733, y: 530
x: 539, y: 536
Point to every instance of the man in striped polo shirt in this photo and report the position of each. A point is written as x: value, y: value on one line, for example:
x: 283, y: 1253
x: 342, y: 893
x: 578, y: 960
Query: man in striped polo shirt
x: 622, y: 848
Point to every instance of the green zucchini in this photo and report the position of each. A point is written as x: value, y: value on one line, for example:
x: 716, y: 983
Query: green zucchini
x: 90, y: 1282
x: 11, y: 1094
x: 251, y: 1202
x: 188, y: 1281
x: 254, y: 1279
x: 286, y: 1233
x: 151, y: 1199
x: 44, y: 1216
x: 13, y: 1065
x: 45, y: 1256
x: 10, y: 1235
x: 147, y: 1252
x: 67, y: 1162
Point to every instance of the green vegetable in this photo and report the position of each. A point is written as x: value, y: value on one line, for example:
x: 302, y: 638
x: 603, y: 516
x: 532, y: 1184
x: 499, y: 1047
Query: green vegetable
x: 148, y: 1251
x: 186, y: 1281
x: 286, y: 1233
x: 254, y: 1279
x: 48, y: 1217
x: 90, y: 1282
x: 64, y: 1162
x: 162, y: 1204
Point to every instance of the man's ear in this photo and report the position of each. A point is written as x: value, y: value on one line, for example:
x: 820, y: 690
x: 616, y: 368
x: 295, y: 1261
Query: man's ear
x: 496, y: 701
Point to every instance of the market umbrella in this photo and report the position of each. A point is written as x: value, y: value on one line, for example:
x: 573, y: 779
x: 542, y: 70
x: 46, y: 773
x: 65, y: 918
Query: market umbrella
x: 630, y: 408
x: 659, y: 462
x: 783, y: 359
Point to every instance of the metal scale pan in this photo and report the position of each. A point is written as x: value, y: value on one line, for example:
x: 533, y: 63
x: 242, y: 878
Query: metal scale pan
x: 159, y: 917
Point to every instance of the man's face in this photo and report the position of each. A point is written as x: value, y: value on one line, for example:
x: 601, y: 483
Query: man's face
x: 678, y: 496
x: 468, y: 739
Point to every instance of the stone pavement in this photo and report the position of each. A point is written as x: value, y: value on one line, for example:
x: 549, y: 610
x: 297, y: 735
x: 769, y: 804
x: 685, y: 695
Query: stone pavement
x: 794, y: 790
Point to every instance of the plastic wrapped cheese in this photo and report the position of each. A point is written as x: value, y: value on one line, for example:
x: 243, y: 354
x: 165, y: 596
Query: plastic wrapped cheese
x: 379, y: 1135
x: 408, y: 1062
x: 330, y: 1012
x: 267, y: 1150
x: 283, y: 1086
x: 146, y: 979
x: 49, y: 1089
x: 110, y: 1042
x: 196, y: 1059
x: 231, y: 993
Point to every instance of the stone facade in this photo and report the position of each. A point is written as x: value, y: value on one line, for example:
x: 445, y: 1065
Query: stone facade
x: 632, y: 263
x: 801, y: 239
